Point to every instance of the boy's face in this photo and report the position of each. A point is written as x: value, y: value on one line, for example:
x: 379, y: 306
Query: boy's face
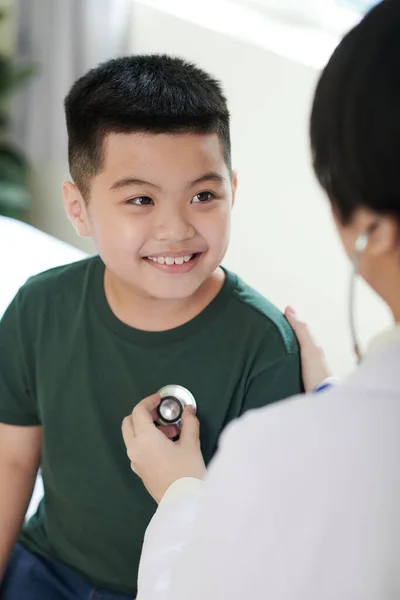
x: 159, y: 212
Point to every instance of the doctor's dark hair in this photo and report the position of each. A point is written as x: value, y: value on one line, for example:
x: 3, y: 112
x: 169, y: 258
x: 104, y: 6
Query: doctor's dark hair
x: 355, y: 120
x: 145, y: 93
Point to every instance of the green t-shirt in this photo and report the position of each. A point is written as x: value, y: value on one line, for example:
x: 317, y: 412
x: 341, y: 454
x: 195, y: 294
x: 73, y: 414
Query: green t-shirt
x: 69, y: 364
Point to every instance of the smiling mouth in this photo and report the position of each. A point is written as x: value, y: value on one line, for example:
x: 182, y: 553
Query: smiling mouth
x: 172, y: 260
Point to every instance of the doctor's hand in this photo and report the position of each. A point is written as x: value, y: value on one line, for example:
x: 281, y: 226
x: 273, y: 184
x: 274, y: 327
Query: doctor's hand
x: 156, y: 459
x: 313, y: 362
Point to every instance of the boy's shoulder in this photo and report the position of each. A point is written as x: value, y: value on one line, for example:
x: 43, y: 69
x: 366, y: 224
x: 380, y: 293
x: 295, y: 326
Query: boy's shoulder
x: 263, y: 314
x: 62, y: 281
x: 62, y: 275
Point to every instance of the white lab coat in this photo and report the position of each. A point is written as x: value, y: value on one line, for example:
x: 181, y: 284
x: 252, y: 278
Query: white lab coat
x: 301, y: 503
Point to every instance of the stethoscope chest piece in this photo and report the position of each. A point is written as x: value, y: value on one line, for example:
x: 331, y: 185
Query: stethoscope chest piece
x: 174, y: 399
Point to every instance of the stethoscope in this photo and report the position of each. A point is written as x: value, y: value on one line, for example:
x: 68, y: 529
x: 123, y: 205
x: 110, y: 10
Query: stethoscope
x: 174, y: 399
x: 359, y: 249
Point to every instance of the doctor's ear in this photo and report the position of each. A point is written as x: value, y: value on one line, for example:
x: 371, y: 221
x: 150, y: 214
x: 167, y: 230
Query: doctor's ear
x: 384, y: 237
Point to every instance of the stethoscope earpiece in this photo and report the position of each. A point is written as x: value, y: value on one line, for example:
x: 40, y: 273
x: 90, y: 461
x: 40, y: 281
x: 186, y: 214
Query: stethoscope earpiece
x: 361, y: 242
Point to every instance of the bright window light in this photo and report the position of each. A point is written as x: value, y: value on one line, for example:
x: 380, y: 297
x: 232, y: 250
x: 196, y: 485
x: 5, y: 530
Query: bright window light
x: 361, y: 6
x: 336, y: 16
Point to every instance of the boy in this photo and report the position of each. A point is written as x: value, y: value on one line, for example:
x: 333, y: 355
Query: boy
x: 80, y: 345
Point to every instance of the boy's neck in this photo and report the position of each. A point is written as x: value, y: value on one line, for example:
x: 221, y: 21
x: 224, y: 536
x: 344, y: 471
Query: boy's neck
x: 152, y: 314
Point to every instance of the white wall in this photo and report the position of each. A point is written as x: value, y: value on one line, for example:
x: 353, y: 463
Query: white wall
x: 283, y: 242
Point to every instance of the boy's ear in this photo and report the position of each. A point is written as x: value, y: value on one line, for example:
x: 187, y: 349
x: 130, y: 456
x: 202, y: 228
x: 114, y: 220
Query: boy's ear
x: 75, y: 207
x: 234, y: 186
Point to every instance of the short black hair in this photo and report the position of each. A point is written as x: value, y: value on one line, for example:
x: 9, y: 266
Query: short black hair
x: 355, y: 120
x: 144, y: 93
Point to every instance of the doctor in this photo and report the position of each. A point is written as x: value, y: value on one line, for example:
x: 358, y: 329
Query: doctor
x: 302, y: 502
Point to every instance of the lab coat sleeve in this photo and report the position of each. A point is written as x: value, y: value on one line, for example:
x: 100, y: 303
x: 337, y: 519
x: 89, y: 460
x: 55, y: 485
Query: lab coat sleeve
x: 166, y: 537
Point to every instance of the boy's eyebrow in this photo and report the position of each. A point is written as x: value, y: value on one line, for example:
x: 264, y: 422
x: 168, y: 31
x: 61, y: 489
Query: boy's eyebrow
x: 211, y: 176
x: 129, y: 181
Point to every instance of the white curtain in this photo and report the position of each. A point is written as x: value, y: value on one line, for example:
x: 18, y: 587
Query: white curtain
x: 64, y: 38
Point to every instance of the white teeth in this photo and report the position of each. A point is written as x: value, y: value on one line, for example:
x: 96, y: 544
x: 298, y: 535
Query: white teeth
x: 170, y: 260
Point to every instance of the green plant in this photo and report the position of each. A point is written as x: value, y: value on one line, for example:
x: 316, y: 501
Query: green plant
x: 15, y: 198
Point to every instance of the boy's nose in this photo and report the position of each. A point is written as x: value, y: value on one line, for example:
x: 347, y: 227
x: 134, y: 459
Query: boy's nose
x: 174, y: 227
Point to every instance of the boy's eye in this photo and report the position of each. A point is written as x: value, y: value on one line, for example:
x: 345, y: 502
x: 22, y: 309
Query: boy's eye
x: 140, y: 201
x: 203, y: 197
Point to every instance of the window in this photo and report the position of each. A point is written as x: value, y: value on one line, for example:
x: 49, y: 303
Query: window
x: 361, y: 6
x: 336, y: 16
